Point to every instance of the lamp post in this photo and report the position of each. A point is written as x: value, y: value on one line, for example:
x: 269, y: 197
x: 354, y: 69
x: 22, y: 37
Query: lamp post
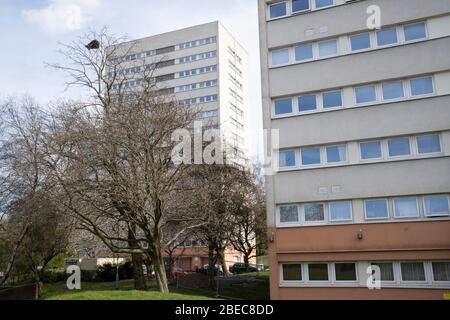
x: 117, y: 272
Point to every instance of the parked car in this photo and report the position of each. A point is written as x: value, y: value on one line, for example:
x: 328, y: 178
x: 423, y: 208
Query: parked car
x: 176, y: 273
x: 218, y: 271
x: 242, y: 268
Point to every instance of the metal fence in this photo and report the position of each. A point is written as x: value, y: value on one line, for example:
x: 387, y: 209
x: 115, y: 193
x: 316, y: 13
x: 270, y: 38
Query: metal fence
x: 240, y: 283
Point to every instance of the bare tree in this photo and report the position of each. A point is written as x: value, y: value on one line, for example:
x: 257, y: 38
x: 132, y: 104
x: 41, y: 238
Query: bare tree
x: 112, y: 153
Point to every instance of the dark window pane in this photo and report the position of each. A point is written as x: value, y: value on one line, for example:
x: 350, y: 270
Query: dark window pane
x: 304, y: 52
x: 292, y: 272
x: 300, y: 5
x: 345, y: 271
x: 336, y: 154
x: 360, y: 41
x: 318, y: 272
x: 365, y: 94
x: 371, y: 150
x: 287, y: 159
x: 307, y: 103
x: 310, y: 156
x: 428, y: 144
x: 332, y: 99
x: 413, y: 271
x: 399, y: 147
x: 323, y: 3
x: 437, y: 206
x: 314, y: 212
x: 393, y: 90
x: 415, y: 31
x: 422, y: 86
x: 288, y: 214
x: 386, y: 271
x: 376, y: 209
x: 441, y: 271
x: 283, y: 106
x: 278, y: 10
x: 387, y: 37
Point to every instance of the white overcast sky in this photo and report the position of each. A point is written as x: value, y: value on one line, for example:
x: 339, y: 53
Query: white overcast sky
x: 31, y: 29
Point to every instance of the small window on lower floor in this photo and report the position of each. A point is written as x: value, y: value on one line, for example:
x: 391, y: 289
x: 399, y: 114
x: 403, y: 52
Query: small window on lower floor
x: 345, y: 271
x: 413, y: 271
x: 310, y: 156
x: 399, y: 147
x: 406, y: 208
x: 421, y: 86
x: 366, y: 94
x: 441, y: 271
x: 437, y: 206
x: 386, y: 271
x: 341, y: 211
x: 314, y: 212
x: 371, y: 150
x: 376, y: 209
x: 318, y: 272
x: 332, y: 99
x: 292, y: 272
x: 289, y: 214
x: 336, y: 154
x: 283, y: 106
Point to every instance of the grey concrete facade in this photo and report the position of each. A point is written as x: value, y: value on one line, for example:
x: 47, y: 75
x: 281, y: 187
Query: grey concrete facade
x: 354, y: 180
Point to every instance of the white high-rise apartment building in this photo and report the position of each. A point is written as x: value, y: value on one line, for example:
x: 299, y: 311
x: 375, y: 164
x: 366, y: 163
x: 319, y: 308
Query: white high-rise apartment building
x: 205, y: 67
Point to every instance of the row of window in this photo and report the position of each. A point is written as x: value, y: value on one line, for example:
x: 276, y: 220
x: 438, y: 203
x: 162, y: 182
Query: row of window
x: 431, y: 206
x: 238, y: 125
x: 197, y: 43
x: 199, y: 100
x: 235, y: 95
x: 150, y: 53
x: 236, y: 110
x: 365, y: 95
x: 196, y: 57
x: 390, y: 273
x: 285, y: 8
x: 196, y: 86
x: 375, y: 150
x: 208, y: 114
x: 365, y: 41
x: 194, y: 72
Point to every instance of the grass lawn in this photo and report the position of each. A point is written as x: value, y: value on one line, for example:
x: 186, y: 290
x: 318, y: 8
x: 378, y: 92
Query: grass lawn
x: 106, y: 291
x: 259, y: 291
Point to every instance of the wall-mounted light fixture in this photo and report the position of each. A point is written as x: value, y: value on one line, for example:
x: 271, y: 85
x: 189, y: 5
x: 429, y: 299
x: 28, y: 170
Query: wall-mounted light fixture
x: 360, y: 235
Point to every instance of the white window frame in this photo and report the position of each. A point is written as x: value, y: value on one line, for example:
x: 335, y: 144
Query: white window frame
x: 410, y: 93
x: 311, y: 165
x: 319, y: 57
x: 394, y: 272
x: 339, y: 162
x: 310, y: 8
x: 377, y: 218
x: 427, y: 36
x: 406, y: 217
x: 340, y: 220
x: 274, y: 112
x: 314, y: 223
x: 333, y: 266
x: 314, y: 5
x: 329, y: 271
x: 314, y: 57
x: 397, y: 32
x: 425, y: 213
x: 281, y: 268
x: 405, y: 156
x: 405, y: 95
x: 287, y: 224
x: 281, y: 64
x: 288, y: 167
x: 432, y: 273
x: 377, y: 95
x: 288, y: 10
x: 431, y: 153
x: 308, y: 111
x: 381, y: 158
x: 322, y: 107
x: 359, y: 34
x: 414, y: 281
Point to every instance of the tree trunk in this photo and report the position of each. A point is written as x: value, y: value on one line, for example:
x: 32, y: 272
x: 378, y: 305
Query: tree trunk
x: 137, y: 260
x: 221, y: 258
x: 138, y: 272
x: 14, y: 254
x: 247, y: 261
x: 160, y: 270
x: 211, y: 265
